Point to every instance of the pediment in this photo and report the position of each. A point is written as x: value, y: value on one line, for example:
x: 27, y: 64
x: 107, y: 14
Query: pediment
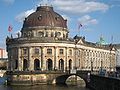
x: 80, y: 41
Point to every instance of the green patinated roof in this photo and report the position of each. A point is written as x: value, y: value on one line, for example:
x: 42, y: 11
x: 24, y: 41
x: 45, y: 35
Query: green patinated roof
x: 101, y: 41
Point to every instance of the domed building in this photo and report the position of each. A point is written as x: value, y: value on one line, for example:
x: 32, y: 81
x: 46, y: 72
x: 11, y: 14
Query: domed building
x: 44, y: 46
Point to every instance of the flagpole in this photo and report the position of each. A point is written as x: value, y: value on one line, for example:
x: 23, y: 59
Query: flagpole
x: 79, y: 27
x: 111, y: 39
x: 10, y: 29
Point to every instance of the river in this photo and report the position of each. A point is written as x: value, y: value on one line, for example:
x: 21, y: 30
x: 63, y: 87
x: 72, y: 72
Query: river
x: 42, y: 87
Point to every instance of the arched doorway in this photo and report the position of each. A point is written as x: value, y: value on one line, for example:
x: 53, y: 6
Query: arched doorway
x: 70, y: 64
x: 36, y: 64
x: 49, y: 64
x: 25, y: 65
x: 61, y: 64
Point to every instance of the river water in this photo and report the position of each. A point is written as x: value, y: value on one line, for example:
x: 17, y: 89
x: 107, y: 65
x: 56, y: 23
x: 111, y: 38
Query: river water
x: 42, y: 87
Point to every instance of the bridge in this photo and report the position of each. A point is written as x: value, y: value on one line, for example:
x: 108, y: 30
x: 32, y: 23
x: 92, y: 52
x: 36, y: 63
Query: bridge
x: 82, y: 74
x: 46, y: 77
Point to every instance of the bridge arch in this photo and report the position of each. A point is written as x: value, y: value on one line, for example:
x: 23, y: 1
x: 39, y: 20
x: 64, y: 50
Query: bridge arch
x: 63, y: 79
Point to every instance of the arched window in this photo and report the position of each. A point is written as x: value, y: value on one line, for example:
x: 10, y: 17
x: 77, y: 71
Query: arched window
x: 70, y: 64
x: 36, y: 64
x: 52, y: 34
x: 25, y: 65
x: 55, y: 34
x: 49, y: 64
x: 40, y: 17
x: 61, y: 64
x: 58, y: 34
x: 64, y: 36
x: 41, y: 34
x: 46, y: 35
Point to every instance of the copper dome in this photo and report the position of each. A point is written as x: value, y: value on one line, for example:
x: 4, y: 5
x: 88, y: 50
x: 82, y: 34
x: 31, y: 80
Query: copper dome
x: 45, y: 16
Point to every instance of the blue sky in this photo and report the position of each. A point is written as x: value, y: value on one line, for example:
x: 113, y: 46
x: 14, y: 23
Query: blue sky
x: 98, y: 17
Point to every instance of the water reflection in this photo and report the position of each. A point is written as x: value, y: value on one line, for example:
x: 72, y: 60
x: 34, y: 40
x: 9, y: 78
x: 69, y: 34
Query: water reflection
x: 42, y: 87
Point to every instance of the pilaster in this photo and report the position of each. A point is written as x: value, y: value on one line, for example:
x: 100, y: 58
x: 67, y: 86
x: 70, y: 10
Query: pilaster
x: 30, y: 61
x: 19, y: 60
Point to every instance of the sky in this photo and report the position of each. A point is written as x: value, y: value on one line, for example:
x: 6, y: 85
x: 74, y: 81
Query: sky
x: 99, y: 18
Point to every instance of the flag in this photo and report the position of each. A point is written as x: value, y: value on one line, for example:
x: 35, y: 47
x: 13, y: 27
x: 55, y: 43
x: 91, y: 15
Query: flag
x: 10, y: 28
x: 80, y: 25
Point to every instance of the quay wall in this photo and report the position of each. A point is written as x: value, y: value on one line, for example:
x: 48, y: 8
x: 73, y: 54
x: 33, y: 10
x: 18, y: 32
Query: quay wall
x: 104, y: 83
x: 31, y: 78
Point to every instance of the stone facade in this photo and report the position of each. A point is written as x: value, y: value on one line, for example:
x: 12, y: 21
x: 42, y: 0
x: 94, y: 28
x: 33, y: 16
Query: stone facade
x: 48, y: 48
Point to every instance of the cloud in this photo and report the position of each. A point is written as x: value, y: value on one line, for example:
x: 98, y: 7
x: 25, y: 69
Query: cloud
x: 8, y: 1
x: 79, y: 6
x: 75, y: 7
x: 20, y: 17
x: 87, y: 20
x: 114, y: 3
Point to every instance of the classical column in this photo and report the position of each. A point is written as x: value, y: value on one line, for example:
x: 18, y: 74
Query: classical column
x: 9, y: 60
x: 30, y: 61
x: 42, y: 53
x: 66, y: 59
x: 55, y: 58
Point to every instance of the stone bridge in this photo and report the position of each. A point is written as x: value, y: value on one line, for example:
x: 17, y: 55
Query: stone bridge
x: 38, y: 77
x: 82, y: 74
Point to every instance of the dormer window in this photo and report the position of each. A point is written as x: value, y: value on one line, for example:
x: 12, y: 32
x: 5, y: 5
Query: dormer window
x: 40, y: 17
x: 57, y: 18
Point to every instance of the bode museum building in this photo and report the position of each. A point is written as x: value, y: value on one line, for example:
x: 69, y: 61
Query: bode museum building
x: 44, y: 46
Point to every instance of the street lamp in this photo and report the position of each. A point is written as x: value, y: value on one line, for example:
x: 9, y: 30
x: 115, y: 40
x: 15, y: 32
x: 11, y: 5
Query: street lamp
x: 91, y: 65
x: 101, y: 64
x: 111, y: 47
x: 75, y: 61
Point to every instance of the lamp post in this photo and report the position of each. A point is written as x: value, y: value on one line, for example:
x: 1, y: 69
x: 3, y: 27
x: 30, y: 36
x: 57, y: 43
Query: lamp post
x: 110, y: 46
x: 91, y: 65
x: 75, y: 61
x: 75, y: 55
x: 101, y: 64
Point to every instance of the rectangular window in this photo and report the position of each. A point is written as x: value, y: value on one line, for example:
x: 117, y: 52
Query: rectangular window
x: 24, y: 51
x: 49, y: 51
x: 61, y: 51
x: 70, y: 52
x: 36, y: 50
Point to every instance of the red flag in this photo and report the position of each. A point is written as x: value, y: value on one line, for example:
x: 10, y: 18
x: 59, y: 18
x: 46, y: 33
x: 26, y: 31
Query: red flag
x: 10, y: 28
